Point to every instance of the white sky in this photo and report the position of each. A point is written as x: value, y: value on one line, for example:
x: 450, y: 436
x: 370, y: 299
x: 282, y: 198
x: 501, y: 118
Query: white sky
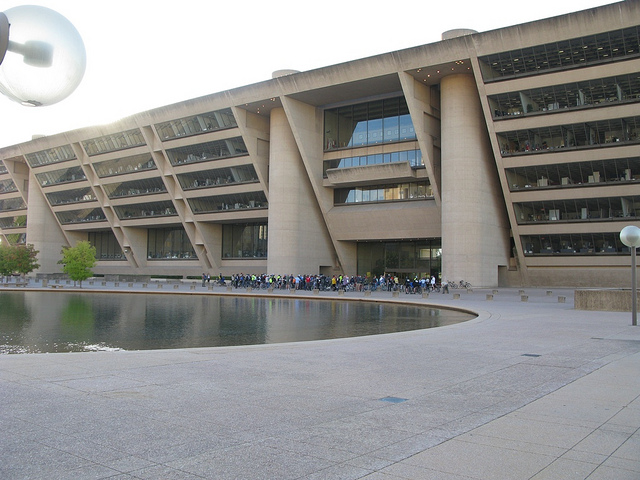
x: 142, y: 54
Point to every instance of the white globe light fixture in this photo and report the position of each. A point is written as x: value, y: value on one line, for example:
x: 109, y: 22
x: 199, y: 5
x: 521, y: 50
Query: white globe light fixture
x: 42, y: 56
x: 630, y: 236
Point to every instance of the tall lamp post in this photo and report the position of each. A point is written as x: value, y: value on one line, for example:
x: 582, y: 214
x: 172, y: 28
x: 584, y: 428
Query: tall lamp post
x: 630, y: 236
x: 42, y: 56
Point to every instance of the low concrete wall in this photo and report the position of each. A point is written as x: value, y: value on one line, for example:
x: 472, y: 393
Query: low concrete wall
x: 605, y: 299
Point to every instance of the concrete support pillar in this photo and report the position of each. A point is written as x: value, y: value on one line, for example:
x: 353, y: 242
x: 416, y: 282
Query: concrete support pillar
x: 43, y: 230
x: 475, y: 232
x: 297, y: 233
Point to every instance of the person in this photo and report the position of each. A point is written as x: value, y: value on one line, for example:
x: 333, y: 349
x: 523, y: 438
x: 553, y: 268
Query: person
x: 433, y: 283
x: 445, y: 286
x: 204, y: 278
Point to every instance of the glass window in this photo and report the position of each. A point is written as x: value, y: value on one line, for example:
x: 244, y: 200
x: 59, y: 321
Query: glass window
x: 386, y: 193
x: 52, y: 155
x: 220, y: 203
x: 81, y: 216
x: 113, y: 142
x: 368, y: 124
x: 203, y: 123
x: 169, y: 244
x: 203, y: 152
x: 148, y: 186
x: 218, y: 177
x: 144, y: 210
x: 244, y: 240
x: 121, y: 166
x: 75, y: 195
x: 66, y: 175
x: 107, y: 246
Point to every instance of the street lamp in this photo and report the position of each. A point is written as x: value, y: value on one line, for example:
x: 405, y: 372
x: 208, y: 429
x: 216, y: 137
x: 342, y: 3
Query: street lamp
x: 630, y: 236
x: 42, y: 56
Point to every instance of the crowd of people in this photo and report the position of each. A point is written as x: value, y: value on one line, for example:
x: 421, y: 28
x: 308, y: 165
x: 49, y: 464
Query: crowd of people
x: 355, y: 283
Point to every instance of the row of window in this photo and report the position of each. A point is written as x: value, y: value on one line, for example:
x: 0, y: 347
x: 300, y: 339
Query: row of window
x: 114, y: 142
x: 383, y: 193
x: 56, y: 177
x: 574, y: 243
x: 12, y: 204
x: 218, y: 177
x: 18, y: 221
x: 571, y: 210
x: 196, y: 124
x: 220, y: 203
x: 238, y: 241
x: 574, y: 174
x: 543, y: 139
x: 370, y: 123
x: 143, y: 210
x: 575, y: 52
x: 414, y: 157
x: 134, y: 188
x: 76, y: 195
x: 574, y: 95
x: 203, y: 152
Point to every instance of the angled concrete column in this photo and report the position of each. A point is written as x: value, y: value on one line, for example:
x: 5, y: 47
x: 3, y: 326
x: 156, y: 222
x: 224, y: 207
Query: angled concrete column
x: 43, y: 230
x: 475, y: 233
x: 297, y: 234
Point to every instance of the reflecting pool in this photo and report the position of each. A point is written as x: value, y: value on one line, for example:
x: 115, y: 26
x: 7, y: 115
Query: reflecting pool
x: 38, y: 322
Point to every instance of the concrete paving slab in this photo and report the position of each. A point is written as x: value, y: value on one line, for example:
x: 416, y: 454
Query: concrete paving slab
x: 529, y: 389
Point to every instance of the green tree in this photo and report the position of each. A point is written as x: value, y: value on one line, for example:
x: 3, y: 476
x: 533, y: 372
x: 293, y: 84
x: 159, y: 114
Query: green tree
x: 78, y: 261
x: 6, y: 268
x: 22, y: 259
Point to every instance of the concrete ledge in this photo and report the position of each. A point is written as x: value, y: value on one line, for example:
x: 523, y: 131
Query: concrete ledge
x: 611, y: 299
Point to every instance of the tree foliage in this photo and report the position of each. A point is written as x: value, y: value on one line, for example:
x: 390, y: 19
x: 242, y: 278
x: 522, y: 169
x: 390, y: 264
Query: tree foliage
x: 78, y: 261
x: 22, y: 259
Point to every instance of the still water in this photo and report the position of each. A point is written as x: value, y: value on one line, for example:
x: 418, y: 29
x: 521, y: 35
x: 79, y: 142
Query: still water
x: 38, y: 322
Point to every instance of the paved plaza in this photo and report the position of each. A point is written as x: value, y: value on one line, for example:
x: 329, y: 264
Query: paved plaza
x: 528, y: 390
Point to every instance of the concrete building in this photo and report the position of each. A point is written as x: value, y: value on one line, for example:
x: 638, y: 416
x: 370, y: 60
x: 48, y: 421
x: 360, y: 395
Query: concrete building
x: 508, y: 157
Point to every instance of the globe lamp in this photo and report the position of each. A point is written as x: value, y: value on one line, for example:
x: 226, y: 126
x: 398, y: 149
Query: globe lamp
x: 42, y: 56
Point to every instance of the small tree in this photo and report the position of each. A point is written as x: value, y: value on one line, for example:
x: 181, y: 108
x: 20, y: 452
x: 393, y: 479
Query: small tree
x: 25, y: 259
x: 6, y: 268
x: 78, y: 261
x: 20, y: 259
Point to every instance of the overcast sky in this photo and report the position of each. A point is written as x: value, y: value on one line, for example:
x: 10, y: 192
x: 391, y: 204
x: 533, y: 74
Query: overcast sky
x: 142, y: 54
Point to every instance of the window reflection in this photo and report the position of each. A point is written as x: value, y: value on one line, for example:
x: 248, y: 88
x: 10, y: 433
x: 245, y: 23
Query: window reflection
x: 169, y: 244
x: 116, y: 141
x: 575, y: 52
x: 81, y: 216
x: 124, y: 165
x: 12, y: 204
x: 577, y: 210
x: 147, y: 186
x: 67, y: 175
x: 414, y: 157
x: 219, y: 203
x: 7, y: 186
x: 203, y: 123
x: 207, y: 151
x: 71, y: 196
x: 601, y: 133
x: 18, y: 221
x: 574, y: 244
x: 220, y: 176
x: 371, y: 123
x: 383, y: 193
x: 52, y: 155
x: 244, y: 240
x: 107, y: 246
x: 142, y: 210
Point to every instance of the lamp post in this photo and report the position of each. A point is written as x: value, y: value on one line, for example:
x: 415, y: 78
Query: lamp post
x: 630, y: 236
x: 42, y: 56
